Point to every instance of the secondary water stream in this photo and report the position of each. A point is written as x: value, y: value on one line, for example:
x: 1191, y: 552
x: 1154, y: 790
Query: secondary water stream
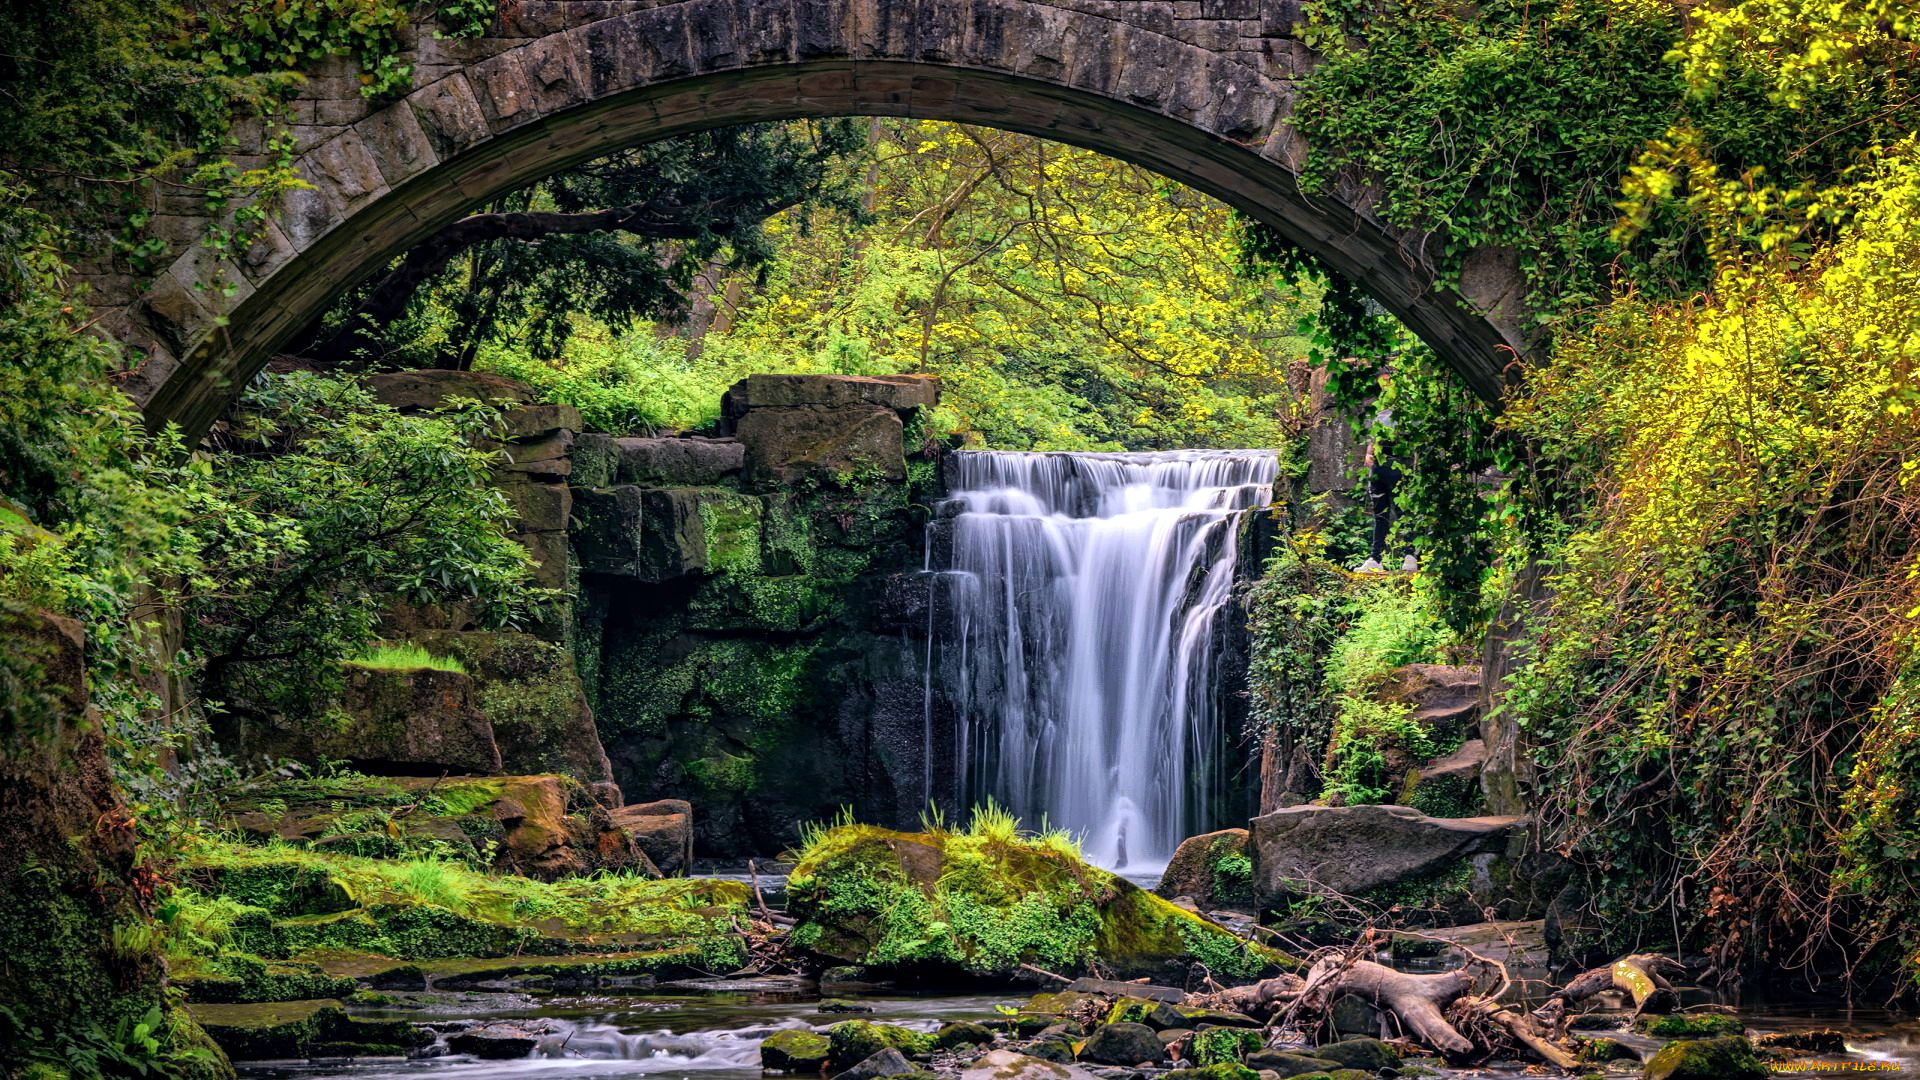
x: 1080, y: 645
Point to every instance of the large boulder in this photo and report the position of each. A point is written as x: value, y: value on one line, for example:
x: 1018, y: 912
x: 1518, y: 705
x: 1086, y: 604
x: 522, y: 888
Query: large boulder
x: 937, y: 905
x: 1214, y: 869
x: 1364, y: 851
x: 663, y: 829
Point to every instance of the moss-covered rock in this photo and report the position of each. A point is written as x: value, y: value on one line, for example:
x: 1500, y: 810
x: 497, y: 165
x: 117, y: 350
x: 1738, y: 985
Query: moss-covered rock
x: 854, y: 1041
x: 986, y: 901
x: 1728, y: 1058
x: 1289, y: 1063
x: 1215, y: 869
x: 1360, y: 1053
x: 529, y: 692
x: 409, y: 916
x: 795, y: 1051
x: 1689, y: 1025
x: 1217, y: 1045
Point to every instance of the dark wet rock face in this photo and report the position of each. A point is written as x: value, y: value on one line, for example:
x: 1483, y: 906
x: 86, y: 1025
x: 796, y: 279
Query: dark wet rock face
x: 1363, y: 850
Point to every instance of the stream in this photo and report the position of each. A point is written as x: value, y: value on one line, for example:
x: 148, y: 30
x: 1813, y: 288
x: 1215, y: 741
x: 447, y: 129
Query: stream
x: 716, y: 1036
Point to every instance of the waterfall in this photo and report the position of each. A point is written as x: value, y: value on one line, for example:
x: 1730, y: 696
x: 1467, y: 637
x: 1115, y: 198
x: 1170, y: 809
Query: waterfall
x: 1077, y: 643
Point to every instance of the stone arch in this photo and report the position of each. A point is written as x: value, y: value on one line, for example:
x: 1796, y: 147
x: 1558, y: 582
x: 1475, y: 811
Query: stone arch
x: 1199, y: 90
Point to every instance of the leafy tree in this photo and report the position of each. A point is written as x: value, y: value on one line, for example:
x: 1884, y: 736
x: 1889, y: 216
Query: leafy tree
x: 618, y: 239
x: 1066, y: 300
x: 320, y: 508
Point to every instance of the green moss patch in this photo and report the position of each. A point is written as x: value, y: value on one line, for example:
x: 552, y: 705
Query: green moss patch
x: 985, y: 900
x: 408, y: 915
x: 1698, y: 1025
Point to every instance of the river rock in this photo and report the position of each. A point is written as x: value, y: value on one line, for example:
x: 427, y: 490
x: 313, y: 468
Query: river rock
x: 888, y: 1062
x: 1193, y: 871
x: 961, y: 1033
x: 1729, y: 1058
x: 1362, y: 1053
x: 794, y: 1050
x: 1008, y: 1065
x: 1123, y: 1044
x: 1288, y: 1063
x: 495, y: 1042
x: 663, y: 829
x: 1357, y: 850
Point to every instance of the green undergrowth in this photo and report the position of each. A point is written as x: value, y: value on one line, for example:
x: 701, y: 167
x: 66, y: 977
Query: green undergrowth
x: 270, y: 922
x: 986, y: 899
x: 1325, y: 644
x: 406, y: 657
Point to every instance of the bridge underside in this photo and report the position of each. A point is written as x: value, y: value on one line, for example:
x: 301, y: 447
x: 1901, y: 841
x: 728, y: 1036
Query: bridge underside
x: 398, y: 173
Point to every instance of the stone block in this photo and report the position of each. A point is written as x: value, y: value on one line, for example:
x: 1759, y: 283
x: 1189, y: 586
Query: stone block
x: 538, y: 507
x: 659, y: 534
x: 430, y: 388
x: 596, y: 460
x: 897, y: 392
x: 679, y: 462
x: 408, y: 721
x: 526, y: 422
x: 844, y: 444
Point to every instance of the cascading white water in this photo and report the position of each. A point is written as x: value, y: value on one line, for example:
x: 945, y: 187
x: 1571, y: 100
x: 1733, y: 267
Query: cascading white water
x: 1078, y: 645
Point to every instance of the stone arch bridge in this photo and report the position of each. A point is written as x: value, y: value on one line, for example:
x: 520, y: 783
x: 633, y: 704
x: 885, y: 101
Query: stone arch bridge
x: 1199, y: 90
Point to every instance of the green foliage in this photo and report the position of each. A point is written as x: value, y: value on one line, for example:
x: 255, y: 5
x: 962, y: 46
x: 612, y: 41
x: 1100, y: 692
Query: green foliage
x: 1323, y: 642
x: 1717, y: 696
x: 1067, y: 301
x: 621, y: 238
x: 405, y: 657
x: 1365, y: 731
x: 319, y: 507
x: 1220, y: 1045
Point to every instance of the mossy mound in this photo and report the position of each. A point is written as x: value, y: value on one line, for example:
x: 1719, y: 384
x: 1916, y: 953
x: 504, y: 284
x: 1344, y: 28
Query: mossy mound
x: 253, y: 924
x: 984, y: 901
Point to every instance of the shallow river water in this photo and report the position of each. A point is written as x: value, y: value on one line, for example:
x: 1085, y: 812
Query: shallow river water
x: 716, y: 1036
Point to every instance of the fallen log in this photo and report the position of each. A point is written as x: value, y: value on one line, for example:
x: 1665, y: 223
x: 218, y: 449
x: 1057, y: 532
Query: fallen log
x: 1417, y: 1002
x: 1642, y: 976
x: 1259, y: 1000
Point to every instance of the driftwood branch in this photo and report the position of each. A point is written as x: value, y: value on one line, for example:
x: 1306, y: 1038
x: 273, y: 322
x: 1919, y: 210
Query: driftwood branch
x: 1418, y: 1002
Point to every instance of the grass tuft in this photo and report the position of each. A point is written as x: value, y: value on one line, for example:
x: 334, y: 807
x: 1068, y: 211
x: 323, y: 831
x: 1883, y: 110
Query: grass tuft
x: 406, y: 656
